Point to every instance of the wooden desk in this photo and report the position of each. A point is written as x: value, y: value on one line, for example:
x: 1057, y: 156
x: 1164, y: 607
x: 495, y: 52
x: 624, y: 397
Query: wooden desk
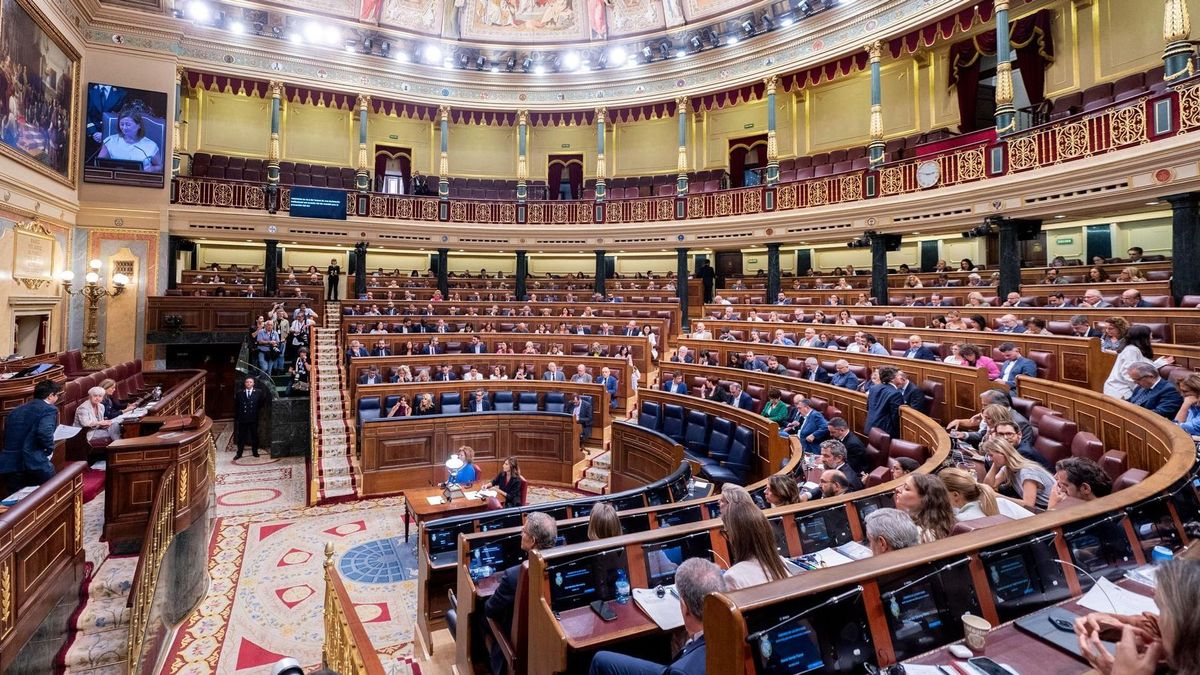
x: 418, y: 508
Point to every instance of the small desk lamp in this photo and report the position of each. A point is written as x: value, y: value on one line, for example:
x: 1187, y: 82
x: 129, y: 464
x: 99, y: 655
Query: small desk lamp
x: 452, y: 488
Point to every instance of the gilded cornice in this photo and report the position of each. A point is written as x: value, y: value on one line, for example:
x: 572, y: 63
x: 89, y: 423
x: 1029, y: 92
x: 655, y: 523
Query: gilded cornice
x: 818, y: 39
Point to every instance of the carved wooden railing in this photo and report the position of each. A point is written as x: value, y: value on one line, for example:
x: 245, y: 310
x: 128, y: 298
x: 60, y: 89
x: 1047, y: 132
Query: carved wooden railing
x: 159, y: 533
x: 347, y: 649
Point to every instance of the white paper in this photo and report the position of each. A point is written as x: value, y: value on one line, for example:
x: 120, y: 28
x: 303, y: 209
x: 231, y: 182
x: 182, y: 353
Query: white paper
x: 62, y: 432
x: 1106, y: 596
x: 434, y: 501
x: 915, y: 669
x: 854, y: 550
x: 808, y: 485
x: 488, y: 493
x: 663, y: 611
x: 471, y: 494
x: 831, y: 558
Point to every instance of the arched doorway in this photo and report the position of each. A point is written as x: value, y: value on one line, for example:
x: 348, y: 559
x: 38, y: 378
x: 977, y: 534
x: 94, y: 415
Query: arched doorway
x: 564, y: 175
x: 747, y: 160
x: 393, y: 170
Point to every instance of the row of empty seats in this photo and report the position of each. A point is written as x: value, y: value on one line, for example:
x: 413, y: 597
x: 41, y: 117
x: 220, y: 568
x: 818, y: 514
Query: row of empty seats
x: 724, y: 450
x: 451, y: 403
x: 1101, y: 95
x: 254, y: 169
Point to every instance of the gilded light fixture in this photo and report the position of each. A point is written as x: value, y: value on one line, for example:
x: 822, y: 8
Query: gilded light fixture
x: 92, y: 292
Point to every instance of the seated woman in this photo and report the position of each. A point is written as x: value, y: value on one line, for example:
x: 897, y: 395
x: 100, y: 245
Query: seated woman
x: 955, y: 359
x: 468, y: 472
x: 1188, y: 417
x: 752, y: 551
x: 113, y: 406
x: 844, y: 319
x: 972, y: 500
x: 781, y: 490
x: 425, y: 404
x: 1025, y: 478
x: 902, y: 466
x: 971, y: 357
x: 90, y: 416
x: 603, y: 523
x: 401, y: 408
x: 1097, y: 275
x: 509, y: 482
x: 130, y: 142
x: 862, y: 300
x: 1130, y: 274
x: 775, y: 409
x: 924, y: 497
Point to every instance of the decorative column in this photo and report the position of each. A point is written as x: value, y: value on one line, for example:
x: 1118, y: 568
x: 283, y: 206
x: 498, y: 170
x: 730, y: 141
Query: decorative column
x: 1177, y: 31
x: 772, y: 272
x: 271, y: 269
x: 522, y: 158
x: 1185, y: 225
x: 772, y: 143
x: 874, y: 50
x: 177, y: 135
x: 681, y: 282
x: 360, y: 269
x: 444, y: 164
x: 1010, y: 258
x: 173, y: 249
x: 1006, y: 114
x: 443, y: 274
x: 522, y: 272
x: 681, y: 183
x: 362, y: 178
x: 601, y: 268
x: 273, y: 152
x: 601, y: 168
x: 879, y: 269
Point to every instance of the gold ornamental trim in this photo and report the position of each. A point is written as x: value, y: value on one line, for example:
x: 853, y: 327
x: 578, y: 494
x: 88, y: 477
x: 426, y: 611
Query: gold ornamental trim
x: 875, y: 51
x: 276, y: 89
x: 444, y: 166
x: 6, y: 597
x: 876, y: 122
x: 1004, y: 84
x: 32, y: 241
x: 363, y: 102
x: 772, y: 146
x: 523, y: 117
x: 443, y: 113
x: 771, y: 84
x: 1177, y: 24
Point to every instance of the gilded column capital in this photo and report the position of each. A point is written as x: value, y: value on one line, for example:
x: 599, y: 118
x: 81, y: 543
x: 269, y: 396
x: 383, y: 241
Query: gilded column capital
x: 1000, y: 6
x: 444, y: 113
x: 523, y: 117
x: 681, y: 105
x: 771, y: 83
x: 363, y: 102
x: 1177, y: 24
x: 875, y: 51
x: 276, y: 88
x: 601, y: 115
x: 180, y: 74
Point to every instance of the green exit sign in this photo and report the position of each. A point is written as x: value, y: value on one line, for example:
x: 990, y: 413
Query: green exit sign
x: 565, y: 145
x: 748, y: 125
x: 393, y: 137
x: 1064, y: 241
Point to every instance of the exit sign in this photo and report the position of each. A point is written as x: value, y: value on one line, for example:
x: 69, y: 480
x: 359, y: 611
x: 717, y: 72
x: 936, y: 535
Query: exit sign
x: 748, y: 125
x: 393, y: 137
x: 565, y: 145
x: 1064, y: 241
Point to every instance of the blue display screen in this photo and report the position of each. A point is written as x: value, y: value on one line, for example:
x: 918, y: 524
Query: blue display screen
x: 311, y: 202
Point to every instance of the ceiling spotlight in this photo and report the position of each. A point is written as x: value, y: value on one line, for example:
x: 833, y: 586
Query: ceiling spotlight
x: 198, y: 11
x: 680, y: 53
x: 748, y: 28
x: 713, y: 37
x: 733, y: 40
x: 480, y: 62
x: 432, y: 54
x: 495, y: 69
x: 350, y: 49
x: 664, y: 48
x: 696, y: 45
x: 617, y: 56
x: 237, y: 28
x: 539, y: 69
x: 385, y: 48
x: 526, y: 64
x: 296, y: 38
x: 570, y: 61
x: 312, y: 31
x: 647, y: 54
x: 786, y: 21
x: 767, y: 23
x: 510, y: 64
x: 403, y: 57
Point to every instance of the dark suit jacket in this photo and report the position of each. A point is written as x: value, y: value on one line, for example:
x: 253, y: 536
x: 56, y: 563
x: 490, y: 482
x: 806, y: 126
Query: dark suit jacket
x: 362, y: 379
x: 815, y: 426
x: 851, y: 474
x: 381, y: 352
x: 29, y: 438
x: 246, y: 407
x: 818, y: 375
x: 98, y: 104
x: 923, y: 354
x: 469, y: 406
x: 499, y: 607
x: 686, y: 359
x: 718, y: 394
x: 883, y: 409
x: 856, y: 453
x: 477, y: 349
x: 691, y: 659
x: 447, y: 376
x: 914, y: 397
x: 847, y: 381
x: 744, y: 401
x: 671, y: 387
x: 361, y: 351
x: 1163, y: 398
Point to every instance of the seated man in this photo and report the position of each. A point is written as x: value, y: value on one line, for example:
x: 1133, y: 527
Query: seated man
x: 372, y: 376
x: 842, y: 377
x: 833, y: 458
x: 1133, y: 298
x: 775, y: 367
x: 1079, y: 478
x: 539, y: 533
x: 832, y: 484
x: 581, y: 409
x: 1153, y: 392
x: 813, y: 371
x: 581, y: 374
x: 750, y: 362
x: 29, y: 439
x: 976, y: 422
x: 739, y: 398
x: 856, y: 450
x: 890, y: 530
x: 478, y: 403
x: 609, y: 381
x: 918, y: 350
x: 695, y: 578
x: 1093, y: 299
x: 90, y: 416
x: 913, y: 396
x: 445, y: 374
x: 676, y: 385
x: 683, y: 356
x: 710, y: 389
x: 1008, y: 323
x: 1014, y: 364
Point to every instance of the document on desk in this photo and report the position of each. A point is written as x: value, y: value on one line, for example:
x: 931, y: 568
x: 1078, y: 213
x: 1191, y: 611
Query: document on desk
x: 62, y: 432
x: 488, y: 493
x: 471, y: 494
x: 1106, y: 596
x: 663, y: 611
x: 435, y: 500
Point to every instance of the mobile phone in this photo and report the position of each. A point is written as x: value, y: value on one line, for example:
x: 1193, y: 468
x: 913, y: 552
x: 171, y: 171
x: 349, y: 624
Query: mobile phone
x: 605, y: 612
x: 988, y: 666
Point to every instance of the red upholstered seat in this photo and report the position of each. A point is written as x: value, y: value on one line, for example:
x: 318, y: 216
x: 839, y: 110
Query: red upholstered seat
x: 1086, y: 444
x: 914, y: 451
x: 1055, y: 435
x: 1129, y: 478
x: 879, y: 475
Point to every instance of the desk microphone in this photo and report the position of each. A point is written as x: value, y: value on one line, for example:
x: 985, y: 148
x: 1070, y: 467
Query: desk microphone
x: 1095, y: 581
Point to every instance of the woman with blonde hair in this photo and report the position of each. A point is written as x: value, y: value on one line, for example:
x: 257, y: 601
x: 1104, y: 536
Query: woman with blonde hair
x: 924, y: 497
x: 1025, y: 477
x: 603, y: 522
x: 972, y: 499
x: 752, y: 554
x: 732, y: 494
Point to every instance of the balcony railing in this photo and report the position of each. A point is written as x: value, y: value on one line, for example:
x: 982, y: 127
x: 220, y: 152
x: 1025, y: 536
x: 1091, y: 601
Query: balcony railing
x: 1122, y: 125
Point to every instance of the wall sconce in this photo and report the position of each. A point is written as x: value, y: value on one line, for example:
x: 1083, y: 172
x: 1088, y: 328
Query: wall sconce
x: 92, y: 292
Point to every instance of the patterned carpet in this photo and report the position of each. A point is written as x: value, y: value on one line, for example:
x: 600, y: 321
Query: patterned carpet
x: 265, y: 600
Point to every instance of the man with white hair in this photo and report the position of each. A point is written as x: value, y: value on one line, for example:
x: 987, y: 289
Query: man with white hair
x: 1094, y: 300
x: 890, y: 530
x: 90, y: 415
x: 1009, y: 323
x: 842, y: 376
x: 813, y: 372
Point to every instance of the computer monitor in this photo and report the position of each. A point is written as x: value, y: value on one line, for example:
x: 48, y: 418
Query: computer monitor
x: 657, y: 495
x: 584, y: 509
x: 1101, y: 547
x: 869, y: 505
x: 781, y: 543
x: 638, y: 522
x: 1153, y: 525
x: 690, y: 514
x: 714, y: 509
x: 499, y: 522
x: 759, y: 497
x: 444, y: 538
x: 924, y: 607
x: 662, y: 557
x: 679, y: 486
x: 823, y: 633
x: 1024, y: 577
x: 629, y: 502
x: 823, y: 529
x: 494, y: 555
x: 572, y: 534
x: 579, y: 581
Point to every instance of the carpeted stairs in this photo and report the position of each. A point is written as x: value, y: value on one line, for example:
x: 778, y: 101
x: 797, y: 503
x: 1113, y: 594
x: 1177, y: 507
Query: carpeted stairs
x: 335, y: 471
x: 597, y: 476
x: 102, y: 626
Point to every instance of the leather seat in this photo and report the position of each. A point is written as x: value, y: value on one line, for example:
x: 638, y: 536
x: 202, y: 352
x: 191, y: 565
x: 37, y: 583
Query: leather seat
x: 450, y: 402
x: 719, y: 438
x: 514, y: 644
x: 1047, y: 364
x: 1055, y: 435
x: 368, y: 409
x: 878, y: 476
x: 650, y: 415
x: 527, y: 401
x: 695, y: 436
x: 934, y: 396
x: 672, y: 421
x: 898, y: 447
x: 879, y: 444
x: 556, y: 401
x: 1087, y: 445
x: 1129, y: 478
x: 503, y: 400
x: 1114, y: 463
x: 736, y: 466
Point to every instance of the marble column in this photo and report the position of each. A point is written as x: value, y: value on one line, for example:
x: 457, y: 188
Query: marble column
x: 601, y: 168
x: 522, y: 272
x: 443, y: 274
x: 444, y: 162
x: 522, y: 156
x: 362, y: 177
x: 1010, y: 258
x: 879, y: 270
x: 601, y: 268
x: 273, y: 151
x: 681, y: 183
x: 1179, y: 50
x: 772, y: 143
x: 1185, y: 226
x: 773, y: 273
x: 874, y: 50
x: 360, y: 269
x: 681, y: 282
x: 1006, y: 113
x: 271, y: 269
x: 173, y: 249
x: 176, y: 133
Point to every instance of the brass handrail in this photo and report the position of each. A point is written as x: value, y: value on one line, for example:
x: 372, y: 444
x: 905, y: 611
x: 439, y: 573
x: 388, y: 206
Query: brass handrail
x: 347, y: 648
x: 159, y: 535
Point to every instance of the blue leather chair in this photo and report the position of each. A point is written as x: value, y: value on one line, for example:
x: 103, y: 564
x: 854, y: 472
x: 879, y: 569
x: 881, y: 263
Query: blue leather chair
x: 719, y: 439
x: 388, y: 402
x: 527, y: 401
x: 451, y: 402
x: 650, y: 415
x: 556, y: 401
x: 368, y: 409
x: 672, y: 424
x: 735, y: 468
x: 695, y: 436
x: 503, y: 400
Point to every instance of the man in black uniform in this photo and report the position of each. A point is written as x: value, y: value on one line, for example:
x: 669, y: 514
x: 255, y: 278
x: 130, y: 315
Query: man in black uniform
x: 246, y: 404
x: 707, y: 275
x: 333, y: 274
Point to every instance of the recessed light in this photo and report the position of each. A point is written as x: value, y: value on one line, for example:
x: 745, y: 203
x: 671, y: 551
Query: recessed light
x: 1153, y: 203
x: 539, y: 69
x: 1059, y: 217
x: 237, y: 27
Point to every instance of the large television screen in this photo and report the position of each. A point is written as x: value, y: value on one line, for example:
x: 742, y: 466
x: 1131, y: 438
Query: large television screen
x: 125, y: 136
x: 314, y: 202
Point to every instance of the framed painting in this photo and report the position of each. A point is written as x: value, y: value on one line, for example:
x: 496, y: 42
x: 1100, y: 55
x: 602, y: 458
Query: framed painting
x: 33, y: 255
x: 39, y: 74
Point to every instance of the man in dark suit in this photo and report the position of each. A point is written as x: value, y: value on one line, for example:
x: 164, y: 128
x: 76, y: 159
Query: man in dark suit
x: 683, y: 356
x: 538, y: 534
x: 936, y: 300
x: 381, y: 349
x: 356, y: 349
x: 246, y: 405
x: 807, y: 424
x: 750, y: 362
x: 856, y: 450
x: 739, y: 398
x: 102, y: 98
x: 813, y: 372
x: 478, y: 403
x: 918, y: 350
x: 1009, y: 323
x: 1152, y: 392
x: 1014, y: 300
x: 631, y: 330
x: 883, y: 404
x: 913, y: 396
x: 842, y: 375
x: 434, y: 347
x: 695, y: 578
x: 372, y: 376
x: 476, y: 346
x: 445, y: 374
x: 29, y: 439
x: 553, y: 373
x: 1081, y: 327
x: 676, y: 385
x: 1015, y: 364
x: 1133, y: 298
x: 581, y: 410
